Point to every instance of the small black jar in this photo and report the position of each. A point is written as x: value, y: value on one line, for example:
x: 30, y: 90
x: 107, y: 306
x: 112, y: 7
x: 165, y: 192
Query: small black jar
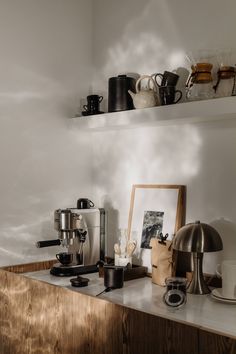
x: 113, y: 277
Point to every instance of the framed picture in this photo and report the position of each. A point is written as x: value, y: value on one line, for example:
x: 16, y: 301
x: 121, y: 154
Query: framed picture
x: 154, y: 209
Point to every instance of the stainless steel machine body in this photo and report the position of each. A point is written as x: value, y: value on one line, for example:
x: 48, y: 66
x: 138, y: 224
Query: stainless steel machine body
x: 82, y: 233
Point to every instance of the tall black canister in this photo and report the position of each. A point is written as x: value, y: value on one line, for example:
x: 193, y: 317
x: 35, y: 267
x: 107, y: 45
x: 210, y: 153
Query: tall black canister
x: 118, y: 96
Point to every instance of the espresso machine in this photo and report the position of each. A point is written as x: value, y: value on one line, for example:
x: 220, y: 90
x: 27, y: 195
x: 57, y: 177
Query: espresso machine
x: 81, y: 232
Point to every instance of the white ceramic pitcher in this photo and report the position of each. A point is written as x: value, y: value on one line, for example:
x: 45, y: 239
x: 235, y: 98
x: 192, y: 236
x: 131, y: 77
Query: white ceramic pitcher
x: 144, y: 98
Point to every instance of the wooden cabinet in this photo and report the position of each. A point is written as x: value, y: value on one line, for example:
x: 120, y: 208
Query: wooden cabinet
x: 210, y: 343
x: 36, y: 317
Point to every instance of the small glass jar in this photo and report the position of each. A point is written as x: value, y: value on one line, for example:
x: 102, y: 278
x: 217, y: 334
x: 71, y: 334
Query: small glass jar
x: 225, y: 82
x: 176, y: 292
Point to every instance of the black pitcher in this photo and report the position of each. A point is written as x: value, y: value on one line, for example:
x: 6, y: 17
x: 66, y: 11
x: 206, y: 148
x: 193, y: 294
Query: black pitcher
x: 118, y: 96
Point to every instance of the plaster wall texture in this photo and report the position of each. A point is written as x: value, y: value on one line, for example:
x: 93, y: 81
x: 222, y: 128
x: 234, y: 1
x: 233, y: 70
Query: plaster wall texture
x: 49, y: 49
x: 45, y: 67
x: 144, y: 38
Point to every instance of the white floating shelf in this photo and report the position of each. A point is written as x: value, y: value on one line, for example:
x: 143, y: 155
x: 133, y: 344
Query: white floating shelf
x: 182, y: 113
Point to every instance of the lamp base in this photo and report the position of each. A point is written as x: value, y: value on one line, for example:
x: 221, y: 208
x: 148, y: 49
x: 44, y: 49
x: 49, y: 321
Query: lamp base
x: 198, y: 284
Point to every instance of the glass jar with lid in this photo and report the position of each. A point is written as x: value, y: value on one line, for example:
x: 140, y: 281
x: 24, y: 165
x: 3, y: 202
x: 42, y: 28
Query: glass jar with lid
x: 176, y: 292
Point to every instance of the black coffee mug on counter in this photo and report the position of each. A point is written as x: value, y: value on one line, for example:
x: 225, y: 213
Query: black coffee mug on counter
x: 64, y: 258
x: 167, y: 95
x: 84, y: 203
x: 113, y: 277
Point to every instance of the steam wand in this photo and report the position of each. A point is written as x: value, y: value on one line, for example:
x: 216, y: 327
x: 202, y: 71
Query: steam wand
x: 82, y: 237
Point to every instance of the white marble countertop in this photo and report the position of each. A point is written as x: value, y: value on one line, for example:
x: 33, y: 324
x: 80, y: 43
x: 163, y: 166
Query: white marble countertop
x: 200, y: 311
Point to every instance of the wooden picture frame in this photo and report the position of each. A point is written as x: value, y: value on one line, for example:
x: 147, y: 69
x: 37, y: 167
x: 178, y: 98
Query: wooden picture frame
x: 163, y: 200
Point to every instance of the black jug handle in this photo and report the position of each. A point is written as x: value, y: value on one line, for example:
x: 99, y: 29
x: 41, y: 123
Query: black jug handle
x: 85, y: 107
x: 100, y: 99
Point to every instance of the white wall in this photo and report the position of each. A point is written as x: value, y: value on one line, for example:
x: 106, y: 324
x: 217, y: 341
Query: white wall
x: 153, y: 36
x: 45, y: 70
x: 48, y: 49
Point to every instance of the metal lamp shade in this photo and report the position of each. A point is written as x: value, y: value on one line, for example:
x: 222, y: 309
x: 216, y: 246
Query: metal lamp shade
x: 197, y: 238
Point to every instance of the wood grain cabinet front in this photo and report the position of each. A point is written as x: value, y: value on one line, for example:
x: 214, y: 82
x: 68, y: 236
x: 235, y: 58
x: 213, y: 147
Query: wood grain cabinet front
x: 36, y: 317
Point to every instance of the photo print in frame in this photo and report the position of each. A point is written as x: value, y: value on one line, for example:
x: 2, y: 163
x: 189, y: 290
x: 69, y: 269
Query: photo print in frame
x: 154, y: 208
x: 152, y: 227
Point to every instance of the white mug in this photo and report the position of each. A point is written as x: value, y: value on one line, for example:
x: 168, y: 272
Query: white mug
x: 228, y: 275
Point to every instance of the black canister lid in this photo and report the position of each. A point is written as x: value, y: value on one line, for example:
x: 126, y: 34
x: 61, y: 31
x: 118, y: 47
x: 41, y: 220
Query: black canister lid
x: 121, y: 77
x: 79, y: 282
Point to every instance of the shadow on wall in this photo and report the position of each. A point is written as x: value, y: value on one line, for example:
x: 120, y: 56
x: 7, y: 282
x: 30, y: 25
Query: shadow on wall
x: 142, y: 38
x: 153, y: 36
x: 145, y: 155
x: 136, y: 37
x: 181, y: 85
x: 112, y: 224
x: 148, y: 37
x: 20, y: 241
x: 227, y: 231
x: 35, y: 181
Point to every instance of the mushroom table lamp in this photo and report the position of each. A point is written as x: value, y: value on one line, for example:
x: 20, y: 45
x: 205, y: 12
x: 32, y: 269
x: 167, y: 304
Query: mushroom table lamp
x: 197, y: 238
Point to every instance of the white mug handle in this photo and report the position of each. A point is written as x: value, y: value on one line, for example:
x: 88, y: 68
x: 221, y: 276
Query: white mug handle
x: 218, y: 271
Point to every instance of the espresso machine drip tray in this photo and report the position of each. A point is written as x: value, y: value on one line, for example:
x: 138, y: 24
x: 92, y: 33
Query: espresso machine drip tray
x: 70, y: 270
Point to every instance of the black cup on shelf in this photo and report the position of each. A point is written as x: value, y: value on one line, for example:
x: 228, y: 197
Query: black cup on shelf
x: 84, y: 203
x: 92, y: 106
x: 167, y: 79
x: 167, y: 95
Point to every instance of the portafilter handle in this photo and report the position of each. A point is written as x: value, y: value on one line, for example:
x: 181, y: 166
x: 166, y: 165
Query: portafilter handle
x: 48, y: 243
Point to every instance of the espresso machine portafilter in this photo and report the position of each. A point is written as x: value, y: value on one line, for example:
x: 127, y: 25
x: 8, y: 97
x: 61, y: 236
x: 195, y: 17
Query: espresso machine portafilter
x: 81, y: 232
